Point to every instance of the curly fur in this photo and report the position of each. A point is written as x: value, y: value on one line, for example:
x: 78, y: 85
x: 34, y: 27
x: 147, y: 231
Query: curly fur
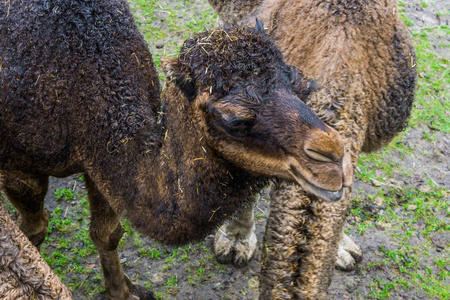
x: 78, y: 72
x: 257, y: 69
x: 373, y: 76
x: 362, y: 59
x: 257, y: 61
x: 79, y: 93
x: 64, y: 48
x: 23, y: 272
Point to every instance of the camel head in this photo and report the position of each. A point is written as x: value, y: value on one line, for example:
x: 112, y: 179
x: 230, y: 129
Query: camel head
x: 248, y: 104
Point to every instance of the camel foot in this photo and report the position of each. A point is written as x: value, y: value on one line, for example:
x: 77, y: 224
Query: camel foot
x: 233, y: 247
x: 138, y: 292
x: 349, y: 254
x: 35, y: 231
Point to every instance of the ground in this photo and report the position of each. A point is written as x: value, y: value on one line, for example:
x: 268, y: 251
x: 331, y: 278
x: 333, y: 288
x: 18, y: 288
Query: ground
x: 400, y: 211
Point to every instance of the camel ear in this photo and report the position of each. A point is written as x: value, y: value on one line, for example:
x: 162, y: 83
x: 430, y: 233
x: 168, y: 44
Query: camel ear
x: 301, y: 85
x: 259, y: 27
x: 180, y: 75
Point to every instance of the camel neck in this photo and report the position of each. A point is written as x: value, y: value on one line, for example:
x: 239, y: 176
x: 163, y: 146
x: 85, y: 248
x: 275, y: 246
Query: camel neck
x: 186, y: 189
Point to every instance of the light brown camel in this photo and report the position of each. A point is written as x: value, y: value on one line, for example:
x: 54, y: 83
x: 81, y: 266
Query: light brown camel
x: 360, y: 54
x: 23, y: 272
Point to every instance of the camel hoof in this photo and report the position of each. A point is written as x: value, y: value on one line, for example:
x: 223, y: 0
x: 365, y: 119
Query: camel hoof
x: 234, y: 249
x: 138, y: 292
x: 349, y: 254
x: 36, y: 232
x: 141, y: 293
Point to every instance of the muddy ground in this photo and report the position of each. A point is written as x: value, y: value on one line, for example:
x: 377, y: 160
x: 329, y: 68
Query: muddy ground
x: 400, y: 213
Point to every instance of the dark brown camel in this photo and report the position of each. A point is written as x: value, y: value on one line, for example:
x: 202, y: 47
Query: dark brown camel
x: 79, y: 93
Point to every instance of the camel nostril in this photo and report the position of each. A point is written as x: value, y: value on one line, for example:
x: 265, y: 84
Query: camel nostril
x: 319, y: 156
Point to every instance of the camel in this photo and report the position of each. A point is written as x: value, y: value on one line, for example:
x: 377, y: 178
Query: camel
x: 362, y: 59
x: 80, y: 94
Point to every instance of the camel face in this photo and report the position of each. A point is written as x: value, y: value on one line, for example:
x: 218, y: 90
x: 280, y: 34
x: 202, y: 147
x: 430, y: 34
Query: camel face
x: 252, y: 113
x: 312, y: 152
x: 279, y: 136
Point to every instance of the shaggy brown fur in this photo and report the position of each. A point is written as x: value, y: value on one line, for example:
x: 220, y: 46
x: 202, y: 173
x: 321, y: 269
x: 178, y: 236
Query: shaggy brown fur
x: 363, y: 60
x: 23, y: 272
x: 239, y: 126
x: 79, y: 93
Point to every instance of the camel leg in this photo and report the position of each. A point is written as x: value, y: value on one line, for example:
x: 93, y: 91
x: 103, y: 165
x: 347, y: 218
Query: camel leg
x: 235, y: 241
x: 349, y: 253
x: 300, y: 244
x: 106, y: 232
x: 284, y: 241
x: 27, y: 193
x: 324, y: 230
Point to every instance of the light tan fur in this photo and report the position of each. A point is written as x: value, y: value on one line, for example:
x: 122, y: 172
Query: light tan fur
x: 360, y: 54
x: 235, y: 241
x: 23, y: 272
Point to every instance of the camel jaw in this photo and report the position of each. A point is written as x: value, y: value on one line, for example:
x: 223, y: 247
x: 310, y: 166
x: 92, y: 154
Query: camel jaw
x: 319, y: 192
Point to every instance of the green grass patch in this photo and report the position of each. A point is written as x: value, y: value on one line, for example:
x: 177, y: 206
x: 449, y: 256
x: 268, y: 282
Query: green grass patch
x: 432, y: 101
x: 423, y: 4
x: 176, y: 26
x: 65, y: 194
x: 409, y: 214
x: 406, y: 20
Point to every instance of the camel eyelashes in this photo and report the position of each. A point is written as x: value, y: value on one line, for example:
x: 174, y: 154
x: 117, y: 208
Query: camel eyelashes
x: 240, y: 127
x: 234, y: 119
x: 319, y: 156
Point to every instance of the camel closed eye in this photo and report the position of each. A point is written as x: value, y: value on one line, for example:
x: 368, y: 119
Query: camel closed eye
x: 319, y: 156
x: 235, y: 119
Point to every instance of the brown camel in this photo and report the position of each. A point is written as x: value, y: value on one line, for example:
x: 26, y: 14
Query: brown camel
x: 79, y: 93
x: 360, y: 54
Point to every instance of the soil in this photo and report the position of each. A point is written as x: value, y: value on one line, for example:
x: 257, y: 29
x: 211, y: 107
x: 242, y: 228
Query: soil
x: 197, y: 275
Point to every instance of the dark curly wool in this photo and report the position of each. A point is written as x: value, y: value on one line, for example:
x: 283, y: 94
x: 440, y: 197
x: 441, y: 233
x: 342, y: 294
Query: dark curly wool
x: 397, y: 100
x: 79, y: 93
x: 78, y: 73
x: 58, y: 55
x: 227, y: 61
